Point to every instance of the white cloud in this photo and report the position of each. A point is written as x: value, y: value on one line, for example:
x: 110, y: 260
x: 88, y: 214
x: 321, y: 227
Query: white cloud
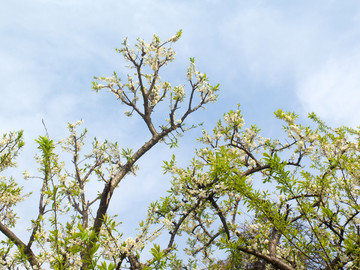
x: 270, y: 43
x: 333, y: 91
x: 316, y: 50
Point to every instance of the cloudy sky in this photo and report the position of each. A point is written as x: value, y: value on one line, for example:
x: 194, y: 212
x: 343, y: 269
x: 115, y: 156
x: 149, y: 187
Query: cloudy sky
x: 302, y: 56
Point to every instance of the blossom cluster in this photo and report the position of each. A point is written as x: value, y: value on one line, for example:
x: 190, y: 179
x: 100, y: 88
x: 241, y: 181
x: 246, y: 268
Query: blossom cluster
x: 301, y: 195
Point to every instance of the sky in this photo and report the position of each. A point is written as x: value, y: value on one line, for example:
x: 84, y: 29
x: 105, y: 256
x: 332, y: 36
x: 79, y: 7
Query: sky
x: 301, y: 56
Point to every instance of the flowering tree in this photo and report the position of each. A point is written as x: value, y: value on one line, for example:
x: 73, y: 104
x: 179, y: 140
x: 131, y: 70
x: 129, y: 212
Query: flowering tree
x: 244, y: 202
x: 72, y: 230
x: 267, y: 204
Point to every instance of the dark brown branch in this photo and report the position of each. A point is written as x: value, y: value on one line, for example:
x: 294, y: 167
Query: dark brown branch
x: 134, y: 262
x: 20, y: 245
x: 276, y: 262
x: 113, y: 183
x: 221, y: 216
x: 173, y: 233
x: 212, y: 238
x: 274, y: 241
x: 42, y: 208
x: 177, y: 227
x: 254, y: 170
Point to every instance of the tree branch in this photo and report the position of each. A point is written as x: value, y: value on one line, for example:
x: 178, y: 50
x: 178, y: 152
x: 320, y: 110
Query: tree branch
x: 20, y: 245
x: 278, y: 263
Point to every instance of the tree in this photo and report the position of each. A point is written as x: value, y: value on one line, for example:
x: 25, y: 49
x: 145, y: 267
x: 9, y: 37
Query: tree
x: 244, y: 202
x: 267, y: 204
x: 71, y: 230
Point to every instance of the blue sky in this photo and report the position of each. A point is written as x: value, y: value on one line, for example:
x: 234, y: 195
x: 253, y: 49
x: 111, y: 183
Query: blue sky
x: 301, y: 56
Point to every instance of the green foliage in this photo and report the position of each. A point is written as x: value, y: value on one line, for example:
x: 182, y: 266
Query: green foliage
x: 291, y: 205
x: 71, y: 228
x: 243, y: 202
